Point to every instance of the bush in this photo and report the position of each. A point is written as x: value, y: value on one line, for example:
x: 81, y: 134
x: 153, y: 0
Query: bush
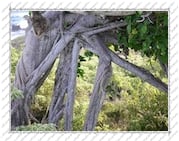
x: 80, y: 109
x: 16, y: 93
x: 37, y: 127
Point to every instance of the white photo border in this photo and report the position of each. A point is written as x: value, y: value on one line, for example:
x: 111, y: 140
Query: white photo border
x: 133, y: 5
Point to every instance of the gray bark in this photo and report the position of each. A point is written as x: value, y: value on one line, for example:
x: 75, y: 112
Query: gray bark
x: 71, y: 87
x: 35, y: 51
x: 60, y: 88
x: 102, y: 76
x: 98, y: 95
x: 140, y: 72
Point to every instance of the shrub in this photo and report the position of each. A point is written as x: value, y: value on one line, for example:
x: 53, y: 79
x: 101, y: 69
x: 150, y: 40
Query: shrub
x: 37, y: 127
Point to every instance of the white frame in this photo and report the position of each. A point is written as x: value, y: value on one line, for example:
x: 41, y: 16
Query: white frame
x: 6, y: 7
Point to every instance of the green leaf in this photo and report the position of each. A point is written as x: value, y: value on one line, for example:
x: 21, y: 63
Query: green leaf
x: 82, y: 58
x: 139, y: 12
x: 143, y: 29
x: 144, y: 44
x: 166, y: 21
x: 134, y: 31
x: 116, y: 48
x: 119, y: 35
x: 16, y: 93
x: 80, y: 72
x: 129, y: 28
x: 88, y: 54
x: 163, y: 59
x: 124, y: 41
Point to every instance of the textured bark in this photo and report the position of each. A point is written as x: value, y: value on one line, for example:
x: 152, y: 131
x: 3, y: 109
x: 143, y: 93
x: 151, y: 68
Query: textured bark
x: 71, y: 87
x: 64, y: 34
x: 140, y: 72
x: 60, y: 87
x: 102, y: 76
x: 35, y: 51
x: 98, y: 95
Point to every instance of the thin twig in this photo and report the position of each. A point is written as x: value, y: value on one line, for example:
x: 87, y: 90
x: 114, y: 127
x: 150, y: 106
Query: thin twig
x: 145, y: 16
x: 104, y: 28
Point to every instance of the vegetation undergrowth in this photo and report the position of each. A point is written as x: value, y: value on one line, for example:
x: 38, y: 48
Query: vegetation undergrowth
x: 130, y: 105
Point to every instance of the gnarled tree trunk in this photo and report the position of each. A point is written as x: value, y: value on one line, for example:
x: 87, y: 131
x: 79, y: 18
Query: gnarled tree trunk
x: 64, y: 33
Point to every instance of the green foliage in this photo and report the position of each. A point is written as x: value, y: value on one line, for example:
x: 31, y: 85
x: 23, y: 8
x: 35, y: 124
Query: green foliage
x: 80, y: 109
x: 113, y: 90
x: 144, y: 110
x: 37, y: 127
x: 16, y: 93
x: 16, y: 50
x: 110, y: 118
x: 15, y: 55
x: 101, y: 125
x: 140, y: 106
x: 39, y: 106
x: 83, y: 58
x: 80, y: 72
x: 88, y: 54
x: 151, y: 39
